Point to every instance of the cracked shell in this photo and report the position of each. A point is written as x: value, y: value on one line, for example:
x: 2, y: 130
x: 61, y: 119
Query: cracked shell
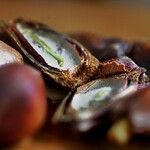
x: 60, y: 57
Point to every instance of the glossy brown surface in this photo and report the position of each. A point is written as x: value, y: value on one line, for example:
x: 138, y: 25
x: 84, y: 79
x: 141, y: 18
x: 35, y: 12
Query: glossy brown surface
x: 22, y: 111
x: 129, y: 21
x: 9, y: 55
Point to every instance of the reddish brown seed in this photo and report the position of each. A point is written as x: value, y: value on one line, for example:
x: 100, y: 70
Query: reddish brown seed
x: 22, y: 102
x: 139, y: 113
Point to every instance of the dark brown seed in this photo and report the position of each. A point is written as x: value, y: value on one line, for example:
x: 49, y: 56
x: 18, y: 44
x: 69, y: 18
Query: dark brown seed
x: 140, y: 54
x: 103, y: 48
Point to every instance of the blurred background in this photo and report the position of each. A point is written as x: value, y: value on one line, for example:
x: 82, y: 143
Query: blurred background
x: 124, y: 18
x: 129, y: 19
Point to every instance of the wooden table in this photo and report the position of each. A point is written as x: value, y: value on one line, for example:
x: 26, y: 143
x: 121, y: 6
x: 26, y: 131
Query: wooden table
x: 126, y: 20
